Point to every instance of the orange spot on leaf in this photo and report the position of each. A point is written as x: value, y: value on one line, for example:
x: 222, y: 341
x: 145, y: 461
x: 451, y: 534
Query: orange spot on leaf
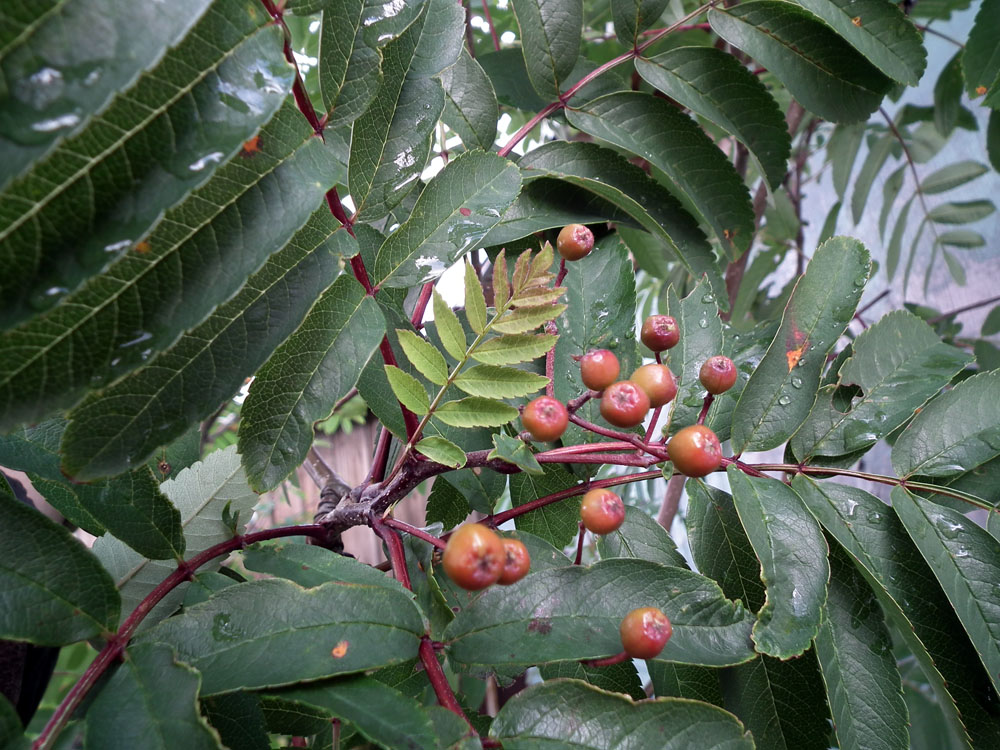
x: 980, y: 90
x: 339, y: 650
x: 142, y: 247
x: 795, y: 345
x: 251, y: 147
x: 856, y: 21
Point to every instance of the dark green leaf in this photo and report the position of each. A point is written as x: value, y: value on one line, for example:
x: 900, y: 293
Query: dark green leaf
x: 550, y: 39
x: 392, y: 138
x: 286, y: 717
x: 642, y: 538
x: 617, y: 678
x: 782, y: 703
x: 720, y: 546
x: 380, y: 713
x: 898, y: 363
x: 239, y: 720
x: 545, y: 715
x: 198, y: 256
x: 896, y: 241
x: 272, y: 632
x: 671, y: 680
x: 948, y: 96
x: 893, y: 567
x: 600, y: 290
x: 126, y: 422
x: 991, y: 325
x: 452, y: 215
x: 446, y: 505
x: 980, y: 60
x: 819, y: 67
x: 11, y: 732
x: 515, y: 451
x: 655, y: 130
x: 201, y: 494
x: 959, y: 429
x: 573, y: 613
x: 556, y: 523
x: 965, y: 560
x: 782, y: 389
x: 55, y: 591
x: 441, y: 450
x: 879, y: 31
x: 792, y: 554
x: 714, y: 85
x: 842, y: 150
x: 993, y: 140
x: 961, y: 238
x: 159, y: 695
x: 855, y: 655
x: 99, y: 191
x: 509, y: 76
x: 890, y: 191
x: 543, y: 555
x: 632, y: 16
x: 611, y: 176
x: 470, y: 105
x: 304, y: 378
x: 878, y: 153
x: 697, y: 317
x: 309, y: 565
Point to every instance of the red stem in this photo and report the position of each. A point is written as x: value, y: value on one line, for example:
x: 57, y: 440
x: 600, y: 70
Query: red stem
x: 298, y: 87
x: 381, y: 459
x: 652, y: 423
x: 615, y: 459
x: 489, y: 22
x: 116, y: 645
x: 633, y: 440
x: 337, y: 209
x: 438, y: 680
x: 606, y: 662
x: 579, y: 489
x: 397, y: 555
x: 414, y: 531
x: 575, y: 450
x: 417, y: 319
x: 579, y: 544
x: 709, y: 398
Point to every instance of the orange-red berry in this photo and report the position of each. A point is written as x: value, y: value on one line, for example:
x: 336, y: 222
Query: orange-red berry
x: 658, y: 383
x: 624, y: 404
x: 474, y: 557
x: 645, y: 631
x: 517, y: 562
x: 575, y: 241
x: 660, y: 332
x: 545, y: 418
x: 695, y: 451
x: 718, y: 374
x: 599, y: 369
x: 602, y: 511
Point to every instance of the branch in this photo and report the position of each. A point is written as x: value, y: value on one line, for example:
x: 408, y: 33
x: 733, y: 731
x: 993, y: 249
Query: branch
x: 116, y: 645
x: 973, y: 306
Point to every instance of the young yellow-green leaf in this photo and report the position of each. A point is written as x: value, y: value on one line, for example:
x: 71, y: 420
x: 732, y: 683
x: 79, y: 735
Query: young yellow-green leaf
x: 54, y: 591
x: 545, y: 715
x: 422, y: 355
x: 272, y: 632
x: 522, y: 268
x: 475, y: 411
x: 408, y: 390
x: 794, y: 566
x: 541, y: 264
x: 449, y: 328
x: 713, y: 84
x: 574, y: 612
x: 781, y: 391
x: 475, y: 301
x: 514, y: 348
x: 441, y: 450
x: 160, y: 695
x: 965, y: 559
x: 524, y: 319
x: 499, y: 382
x: 820, y: 69
x: 539, y: 295
x: 550, y: 39
x: 501, y: 284
x: 879, y: 31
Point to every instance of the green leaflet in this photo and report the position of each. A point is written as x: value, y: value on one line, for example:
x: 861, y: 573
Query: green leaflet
x: 550, y: 34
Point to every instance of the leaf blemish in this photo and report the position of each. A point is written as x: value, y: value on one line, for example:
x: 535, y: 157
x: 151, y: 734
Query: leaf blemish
x: 795, y: 345
x: 542, y: 626
x: 339, y: 650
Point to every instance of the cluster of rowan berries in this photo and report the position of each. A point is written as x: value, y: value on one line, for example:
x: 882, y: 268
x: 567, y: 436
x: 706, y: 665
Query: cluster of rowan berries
x: 476, y: 557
